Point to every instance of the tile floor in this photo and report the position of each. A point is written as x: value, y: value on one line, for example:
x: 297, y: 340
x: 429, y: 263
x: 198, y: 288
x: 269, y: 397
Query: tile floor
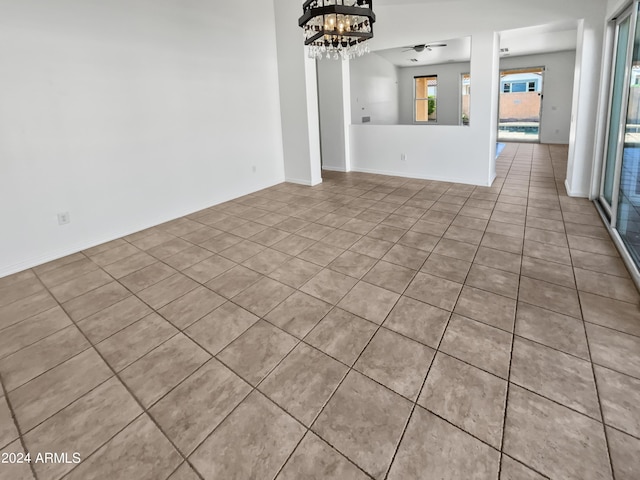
x: 369, y: 327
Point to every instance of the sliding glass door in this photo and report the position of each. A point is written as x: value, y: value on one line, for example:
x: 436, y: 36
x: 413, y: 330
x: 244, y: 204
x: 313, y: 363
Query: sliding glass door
x: 620, y: 186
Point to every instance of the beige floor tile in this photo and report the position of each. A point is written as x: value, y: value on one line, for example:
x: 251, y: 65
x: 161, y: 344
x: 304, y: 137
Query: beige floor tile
x: 314, y: 459
x: 167, y: 249
x: 433, y: 445
x: 371, y: 247
x: 620, y: 399
x: 167, y: 290
x: 599, y: 263
x: 303, y: 382
x: 241, y: 251
x: 489, y: 257
x: 622, y: 289
x: 417, y: 320
x: 112, y: 319
x: 397, y: 362
x: 96, y: 300
x: 254, y: 353
x: 264, y: 295
x: 295, y: 272
x: 493, y: 280
x: 513, y: 470
x: 485, y: 347
x: 346, y: 423
x: 592, y: 245
x: 548, y: 271
x: 153, y: 375
x: 298, y: 314
x: 554, y: 440
x: 221, y: 327
x: 114, y: 254
x: 552, y: 329
x: 131, y: 343
x: 390, y: 276
x: 342, y: 335
x: 341, y: 239
x: 353, y: 264
x: 209, y: 268
x: 611, y: 313
x: 72, y: 288
x: 8, y: 431
x: 266, y: 261
x: 47, y: 394
x: 67, y: 272
x: 294, y: 244
x: 321, y: 254
x: 615, y: 350
x: 448, y: 268
x: 434, y: 291
x: 83, y: 426
x: 555, y: 375
x: 253, y: 442
x: 139, y: 451
x: 408, y: 257
x: 26, y: 307
x: 624, y: 454
x: 234, y: 281
x: 505, y: 243
x: 20, y: 367
x: 32, y: 330
x: 468, y: 397
x: 188, y: 257
x: 191, y: 307
x: 329, y: 286
x: 369, y: 302
x: 455, y: 249
x: 147, y: 276
x: 489, y: 308
x: 553, y: 297
x: 184, y: 472
x: 269, y: 236
x: 205, y: 399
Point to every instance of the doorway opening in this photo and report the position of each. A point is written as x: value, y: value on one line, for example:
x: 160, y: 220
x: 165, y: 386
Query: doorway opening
x: 520, y: 107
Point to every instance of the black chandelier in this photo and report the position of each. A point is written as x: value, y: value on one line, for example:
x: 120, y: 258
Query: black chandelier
x: 337, y: 28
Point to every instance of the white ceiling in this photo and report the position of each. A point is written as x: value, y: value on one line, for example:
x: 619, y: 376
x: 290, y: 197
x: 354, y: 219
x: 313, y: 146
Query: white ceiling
x: 554, y: 37
x: 457, y: 50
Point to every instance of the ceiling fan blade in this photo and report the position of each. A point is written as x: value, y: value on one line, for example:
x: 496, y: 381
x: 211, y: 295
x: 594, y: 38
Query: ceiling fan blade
x: 432, y: 45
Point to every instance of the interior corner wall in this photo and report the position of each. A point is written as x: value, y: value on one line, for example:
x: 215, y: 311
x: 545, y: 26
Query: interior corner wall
x: 557, y: 91
x: 449, y: 91
x: 331, y: 104
x: 374, y: 90
x: 128, y: 114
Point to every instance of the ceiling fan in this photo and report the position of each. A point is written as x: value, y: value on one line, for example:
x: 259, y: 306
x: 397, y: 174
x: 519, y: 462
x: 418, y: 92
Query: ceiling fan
x: 427, y: 46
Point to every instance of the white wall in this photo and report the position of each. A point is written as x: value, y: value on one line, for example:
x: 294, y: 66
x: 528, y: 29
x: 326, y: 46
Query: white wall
x: 127, y: 114
x: 298, y: 92
x: 448, y: 96
x: 374, y: 90
x: 557, y: 90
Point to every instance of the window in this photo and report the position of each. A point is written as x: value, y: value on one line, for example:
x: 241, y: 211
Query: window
x: 532, y: 87
x: 518, y: 87
x: 466, y: 97
x: 506, y: 88
x: 426, y: 92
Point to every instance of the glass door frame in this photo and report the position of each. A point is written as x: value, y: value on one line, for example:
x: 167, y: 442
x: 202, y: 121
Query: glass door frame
x: 612, y: 209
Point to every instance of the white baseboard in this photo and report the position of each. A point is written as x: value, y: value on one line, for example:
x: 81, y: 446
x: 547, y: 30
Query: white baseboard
x: 334, y: 169
x: 412, y: 175
x: 571, y: 193
x: 299, y: 181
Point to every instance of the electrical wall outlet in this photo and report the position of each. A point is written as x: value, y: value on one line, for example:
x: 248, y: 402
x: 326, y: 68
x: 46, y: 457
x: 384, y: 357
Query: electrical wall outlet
x: 254, y: 169
x: 403, y: 157
x: 64, y: 218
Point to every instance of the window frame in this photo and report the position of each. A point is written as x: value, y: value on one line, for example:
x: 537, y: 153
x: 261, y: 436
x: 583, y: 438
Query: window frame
x: 416, y: 99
